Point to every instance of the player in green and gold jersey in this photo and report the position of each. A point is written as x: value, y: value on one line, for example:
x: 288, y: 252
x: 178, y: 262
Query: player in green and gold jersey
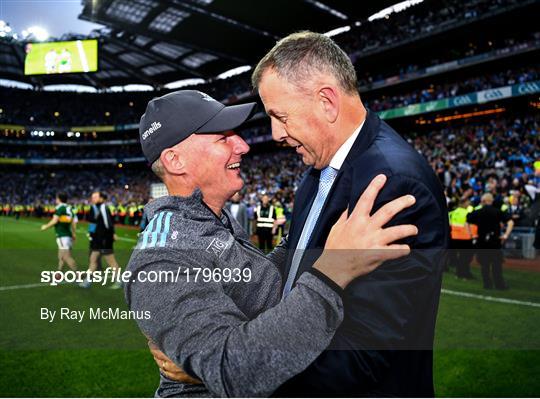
x: 64, y: 222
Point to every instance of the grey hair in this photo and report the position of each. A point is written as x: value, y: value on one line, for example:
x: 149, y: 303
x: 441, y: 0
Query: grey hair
x: 158, y: 169
x: 487, y: 199
x: 297, y: 56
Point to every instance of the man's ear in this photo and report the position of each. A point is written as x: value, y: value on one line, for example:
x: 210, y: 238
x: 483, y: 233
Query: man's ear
x: 329, y: 101
x: 173, y: 161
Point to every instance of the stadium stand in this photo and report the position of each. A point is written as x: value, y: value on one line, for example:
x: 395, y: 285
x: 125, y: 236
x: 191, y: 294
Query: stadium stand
x: 98, y: 130
x: 67, y: 109
x: 451, y: 89
x: 467, y: 158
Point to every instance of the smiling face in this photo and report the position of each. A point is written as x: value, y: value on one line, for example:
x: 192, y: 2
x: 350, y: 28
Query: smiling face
x: 297, y: 118
x: 212, y: 163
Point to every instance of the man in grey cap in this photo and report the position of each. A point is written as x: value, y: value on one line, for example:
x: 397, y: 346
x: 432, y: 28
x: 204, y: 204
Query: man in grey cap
x: 217, y: 312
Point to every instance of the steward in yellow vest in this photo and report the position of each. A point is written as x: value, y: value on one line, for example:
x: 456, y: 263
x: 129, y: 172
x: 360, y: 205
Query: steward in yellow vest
x: 461, y: 243
x: 265, y: 216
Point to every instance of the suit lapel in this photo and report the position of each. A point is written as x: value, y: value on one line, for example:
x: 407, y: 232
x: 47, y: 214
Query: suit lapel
x: 366, y: 137
x: 305, y: 195
x: 341, y: 184
x: 338, y: 197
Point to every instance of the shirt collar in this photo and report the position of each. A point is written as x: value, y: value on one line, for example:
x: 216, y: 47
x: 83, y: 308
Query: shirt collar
x: 339, y: 157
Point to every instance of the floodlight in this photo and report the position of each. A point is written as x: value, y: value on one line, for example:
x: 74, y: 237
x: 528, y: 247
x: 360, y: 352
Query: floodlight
x: 39, y: 33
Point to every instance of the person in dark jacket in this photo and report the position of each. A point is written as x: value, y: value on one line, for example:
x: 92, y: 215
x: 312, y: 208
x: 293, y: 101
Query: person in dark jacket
x: 489, y: 219
x: 101, y: 236
x: 384, y: 347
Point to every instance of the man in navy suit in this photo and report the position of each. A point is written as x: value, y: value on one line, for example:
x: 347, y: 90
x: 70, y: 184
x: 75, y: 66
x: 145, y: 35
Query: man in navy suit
x: 384, y: 347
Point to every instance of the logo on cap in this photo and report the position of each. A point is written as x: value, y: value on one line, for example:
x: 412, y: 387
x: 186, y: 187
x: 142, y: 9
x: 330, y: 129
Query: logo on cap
x: 155, y: 126
x: 206, y: 97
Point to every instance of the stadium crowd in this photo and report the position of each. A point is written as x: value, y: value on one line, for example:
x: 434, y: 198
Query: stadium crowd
x: 33, y: 191
x: 126, y: 108
x: 82, y: 109
x: 65, y: 152
x: 445, y: 90
x: 495, y: 156
x: 70, y: 109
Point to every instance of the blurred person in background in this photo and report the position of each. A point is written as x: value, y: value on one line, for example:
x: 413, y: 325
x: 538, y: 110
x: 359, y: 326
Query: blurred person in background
x: 490, y: 241
x: 278, y: 231
x: 238, y: 210
x: 461, y: 243
x: 102, y: 237
x: 65, y: 228
x: 265, y: 217
x: 515, y: 208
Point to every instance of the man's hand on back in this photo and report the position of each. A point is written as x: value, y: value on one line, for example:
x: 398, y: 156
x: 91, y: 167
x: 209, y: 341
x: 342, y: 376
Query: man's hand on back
x: 168, y: 368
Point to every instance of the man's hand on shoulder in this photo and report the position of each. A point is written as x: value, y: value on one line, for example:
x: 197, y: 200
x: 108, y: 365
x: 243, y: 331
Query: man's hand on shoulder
x: 358, y: 244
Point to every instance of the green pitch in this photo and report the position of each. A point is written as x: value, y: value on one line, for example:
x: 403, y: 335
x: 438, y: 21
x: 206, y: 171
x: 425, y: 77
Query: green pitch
x: 484, y: 348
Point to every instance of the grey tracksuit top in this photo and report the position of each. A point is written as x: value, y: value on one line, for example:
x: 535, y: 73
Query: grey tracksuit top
x: 237, y: 337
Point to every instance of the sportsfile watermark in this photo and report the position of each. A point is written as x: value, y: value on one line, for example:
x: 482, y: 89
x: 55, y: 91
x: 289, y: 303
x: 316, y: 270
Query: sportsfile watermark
x: 43, y: 310
x: 110, y: 275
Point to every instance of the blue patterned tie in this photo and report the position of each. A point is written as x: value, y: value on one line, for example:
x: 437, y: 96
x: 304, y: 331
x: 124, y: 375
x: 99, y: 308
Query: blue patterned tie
x: 328, y: 176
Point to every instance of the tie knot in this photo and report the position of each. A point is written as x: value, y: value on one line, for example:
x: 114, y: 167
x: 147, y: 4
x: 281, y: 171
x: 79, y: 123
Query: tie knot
x: 328, y: 174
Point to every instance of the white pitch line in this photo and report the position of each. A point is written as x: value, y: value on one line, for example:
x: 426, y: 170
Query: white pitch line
x: 18, y: 287
x: 79, y: 229
x: 490, y: 298
x: 127, y: 239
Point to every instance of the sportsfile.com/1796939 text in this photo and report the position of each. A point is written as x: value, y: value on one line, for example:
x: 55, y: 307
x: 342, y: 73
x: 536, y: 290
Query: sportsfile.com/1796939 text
x: 109, y: 275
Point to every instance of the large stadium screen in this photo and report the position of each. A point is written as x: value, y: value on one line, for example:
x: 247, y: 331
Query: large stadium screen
x: 61, y: 57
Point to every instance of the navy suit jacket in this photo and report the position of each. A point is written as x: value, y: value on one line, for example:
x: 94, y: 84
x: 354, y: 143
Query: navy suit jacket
x: 384, y: 345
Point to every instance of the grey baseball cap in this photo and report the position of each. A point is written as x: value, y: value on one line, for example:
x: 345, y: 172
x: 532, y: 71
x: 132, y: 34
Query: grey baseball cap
x: 174, y: 117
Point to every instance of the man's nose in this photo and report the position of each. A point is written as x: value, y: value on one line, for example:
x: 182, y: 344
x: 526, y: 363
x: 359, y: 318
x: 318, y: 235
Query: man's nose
x: 278, y: 132
x: 240, y: 146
